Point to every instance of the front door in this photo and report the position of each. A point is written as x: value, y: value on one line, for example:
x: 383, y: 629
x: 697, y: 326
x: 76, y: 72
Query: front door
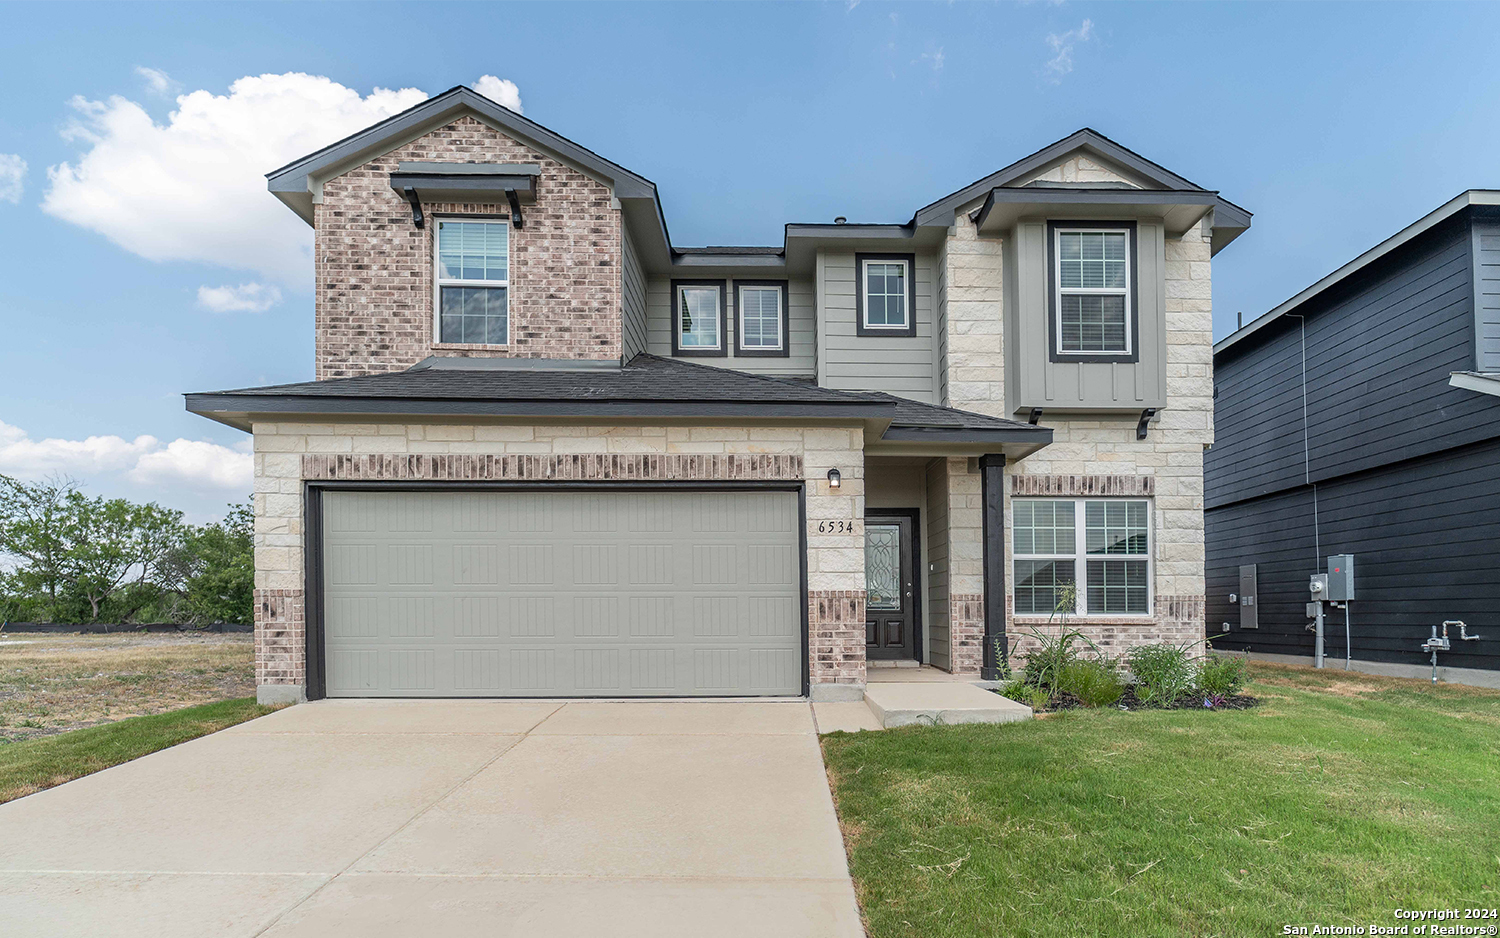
x: 890, y: 593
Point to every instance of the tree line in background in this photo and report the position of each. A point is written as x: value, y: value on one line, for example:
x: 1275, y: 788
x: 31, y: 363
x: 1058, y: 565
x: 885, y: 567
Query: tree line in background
x: 68, y: 557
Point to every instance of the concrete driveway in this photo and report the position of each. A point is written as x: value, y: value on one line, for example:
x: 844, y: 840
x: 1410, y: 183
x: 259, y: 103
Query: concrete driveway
x: 446, y: 818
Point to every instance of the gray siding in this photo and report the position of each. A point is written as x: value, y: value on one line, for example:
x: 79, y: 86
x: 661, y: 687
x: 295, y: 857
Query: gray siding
x: 801, y: 316
x: 1486, y: 241
x: 1423, y: 533
x: 940, y: 364
x: 633, y: 283
x: 852, y: 362
x: 1379, y: 352
x: 1033, y: 379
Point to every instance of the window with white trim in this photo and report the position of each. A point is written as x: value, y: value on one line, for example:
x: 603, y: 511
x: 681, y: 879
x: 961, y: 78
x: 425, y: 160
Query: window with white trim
x: 473, y: 281
x: 698, y: 311
x: 761, y: 316
x: 1107, y: 540
x: 1093, y: 291
x: 884, y: 283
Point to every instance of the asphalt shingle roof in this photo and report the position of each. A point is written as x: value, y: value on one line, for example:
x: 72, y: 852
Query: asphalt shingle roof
x: 645, y: 378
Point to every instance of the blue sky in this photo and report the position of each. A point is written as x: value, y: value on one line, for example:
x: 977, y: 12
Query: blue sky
x: 152, y: 264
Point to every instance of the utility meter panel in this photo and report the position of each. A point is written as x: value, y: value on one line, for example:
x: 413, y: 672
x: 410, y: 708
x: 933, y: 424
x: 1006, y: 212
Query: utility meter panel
x: 1249, y: 611
x: 1340, y: 578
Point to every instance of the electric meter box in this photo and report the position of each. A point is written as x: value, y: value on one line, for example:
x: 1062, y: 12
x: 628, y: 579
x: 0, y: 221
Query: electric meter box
x: 1340, y: 578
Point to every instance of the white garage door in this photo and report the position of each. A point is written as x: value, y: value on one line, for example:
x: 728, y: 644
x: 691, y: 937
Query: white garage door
x: 561, y: 593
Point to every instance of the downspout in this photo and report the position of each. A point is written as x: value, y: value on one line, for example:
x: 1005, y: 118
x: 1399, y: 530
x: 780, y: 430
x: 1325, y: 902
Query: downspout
x: 1306, y: 447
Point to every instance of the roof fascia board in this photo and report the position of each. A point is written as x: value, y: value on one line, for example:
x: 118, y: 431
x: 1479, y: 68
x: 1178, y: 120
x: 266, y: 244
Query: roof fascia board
x: 1153, y: 198
x: 209, y: 404
x: 1475, y: 381
x: 1086, y: 139
x: 958, y: 435
x: 306, y: 174
x: 1472, y: 197
x: 877, y: 231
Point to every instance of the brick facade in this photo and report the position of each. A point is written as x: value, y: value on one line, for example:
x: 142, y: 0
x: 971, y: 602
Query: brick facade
x: 836, y: 635
x: 374, y: 267
x: 286, y: 455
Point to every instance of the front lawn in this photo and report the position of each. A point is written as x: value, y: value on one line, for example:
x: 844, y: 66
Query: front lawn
x: 35, y: 764
x: 1339, y: 799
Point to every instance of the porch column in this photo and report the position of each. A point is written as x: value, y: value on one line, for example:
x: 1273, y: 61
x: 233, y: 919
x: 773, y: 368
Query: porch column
x: 992, y: 482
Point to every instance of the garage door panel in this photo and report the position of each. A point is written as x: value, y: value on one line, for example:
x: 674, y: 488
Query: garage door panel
x: 561, y: 593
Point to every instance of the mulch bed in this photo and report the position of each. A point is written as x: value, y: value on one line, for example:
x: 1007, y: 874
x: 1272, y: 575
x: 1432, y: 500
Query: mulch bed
x: 1129, y: 701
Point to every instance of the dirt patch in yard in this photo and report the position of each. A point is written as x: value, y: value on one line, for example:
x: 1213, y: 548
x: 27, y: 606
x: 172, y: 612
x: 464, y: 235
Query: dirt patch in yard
x: 54, y: 683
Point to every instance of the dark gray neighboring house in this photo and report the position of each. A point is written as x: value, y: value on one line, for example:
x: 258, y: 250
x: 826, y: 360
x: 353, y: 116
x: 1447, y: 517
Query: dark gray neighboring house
x: 1362, y: 416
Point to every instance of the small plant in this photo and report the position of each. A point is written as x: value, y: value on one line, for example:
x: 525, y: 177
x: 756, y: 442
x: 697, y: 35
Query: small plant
x: 1094, y: 681
x: 1054, y: 652
x: 1015, y: 690
x: 1221, y: 675
x: 1037, y: 698
x: 1163, y: 673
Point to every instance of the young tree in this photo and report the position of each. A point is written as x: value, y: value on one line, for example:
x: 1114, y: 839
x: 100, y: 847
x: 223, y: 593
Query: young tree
x: 114, y: 544
x: 221, y: 580
x: 33, y: 519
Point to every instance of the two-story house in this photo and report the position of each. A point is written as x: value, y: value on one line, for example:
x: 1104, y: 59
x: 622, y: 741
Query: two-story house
x: 549, y: 453
x: 1362, y: 417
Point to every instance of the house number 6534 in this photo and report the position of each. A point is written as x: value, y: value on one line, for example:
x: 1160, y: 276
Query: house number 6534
x: 835, y: 527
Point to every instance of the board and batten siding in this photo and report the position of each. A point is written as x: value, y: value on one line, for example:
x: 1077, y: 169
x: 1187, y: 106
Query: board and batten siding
x: 1422, y: 532
x: 633, y: 293
x: 1486, y: 249
x: 1379, y: 350
x: 847, y: 361
x: 801, y: 317
x: 1033, y: 379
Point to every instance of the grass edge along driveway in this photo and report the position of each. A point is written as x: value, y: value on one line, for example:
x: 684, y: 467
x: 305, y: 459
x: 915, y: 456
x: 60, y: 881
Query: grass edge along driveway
x: 36, y: 764
x: 1342, y: 797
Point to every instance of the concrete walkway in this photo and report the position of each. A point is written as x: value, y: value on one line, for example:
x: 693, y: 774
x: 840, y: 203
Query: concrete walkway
x: 446, y: 818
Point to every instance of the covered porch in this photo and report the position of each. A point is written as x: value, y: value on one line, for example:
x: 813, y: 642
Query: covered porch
x: 934, y: 543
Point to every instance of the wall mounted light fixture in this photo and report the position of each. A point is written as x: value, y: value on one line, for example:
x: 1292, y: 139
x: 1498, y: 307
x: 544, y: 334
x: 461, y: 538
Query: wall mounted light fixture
x: 834, y: 479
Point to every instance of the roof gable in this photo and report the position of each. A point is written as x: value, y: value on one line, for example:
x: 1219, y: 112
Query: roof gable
x: 297, y: 182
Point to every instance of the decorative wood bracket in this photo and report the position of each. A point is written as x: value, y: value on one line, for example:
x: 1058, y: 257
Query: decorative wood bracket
x: 416, y: 206
x: 1035, y: 417
x: 1140, y: 428
x: 515, y: 208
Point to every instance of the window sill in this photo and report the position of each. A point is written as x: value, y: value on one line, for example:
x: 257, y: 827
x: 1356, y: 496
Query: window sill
x: 468, y: 347
x: 1137, y: 618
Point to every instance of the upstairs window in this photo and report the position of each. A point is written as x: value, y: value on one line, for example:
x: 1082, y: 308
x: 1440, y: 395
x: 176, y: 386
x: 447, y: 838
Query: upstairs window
x: 762, y: 327
x: 1092, y: 292
x: 1105, y: 542
x: 698, y: 318
x: 473, y: 280
x: 885, y: 295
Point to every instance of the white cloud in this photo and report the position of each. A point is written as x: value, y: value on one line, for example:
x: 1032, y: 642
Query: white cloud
x: 1062, y: 45
x: 500, y: 90
x: 245, y: 298
x: 12, y: 177
x: 194, y: 188
x: 933, y: 58
x: 157, y: 81
x: 194, y: 463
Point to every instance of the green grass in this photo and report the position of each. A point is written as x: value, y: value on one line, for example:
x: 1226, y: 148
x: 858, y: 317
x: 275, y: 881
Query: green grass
x: 1338, y: 800
x: 34, y: 764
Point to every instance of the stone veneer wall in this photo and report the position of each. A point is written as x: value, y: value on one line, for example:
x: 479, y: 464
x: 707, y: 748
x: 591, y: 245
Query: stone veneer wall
x: 288, y: 454
x: 971, y: 293
x: 1102, y: 457
x: 374, y: 267
x: 1090, y: 456
x: 955, y: 542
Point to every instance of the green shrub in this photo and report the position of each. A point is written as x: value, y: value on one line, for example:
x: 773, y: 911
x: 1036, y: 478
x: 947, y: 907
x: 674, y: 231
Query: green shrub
x: 1222, y: 675
x: 1163, y: 673
x: 1038, y: 699
x: 1015, y: 690
x: 1094, y: 682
